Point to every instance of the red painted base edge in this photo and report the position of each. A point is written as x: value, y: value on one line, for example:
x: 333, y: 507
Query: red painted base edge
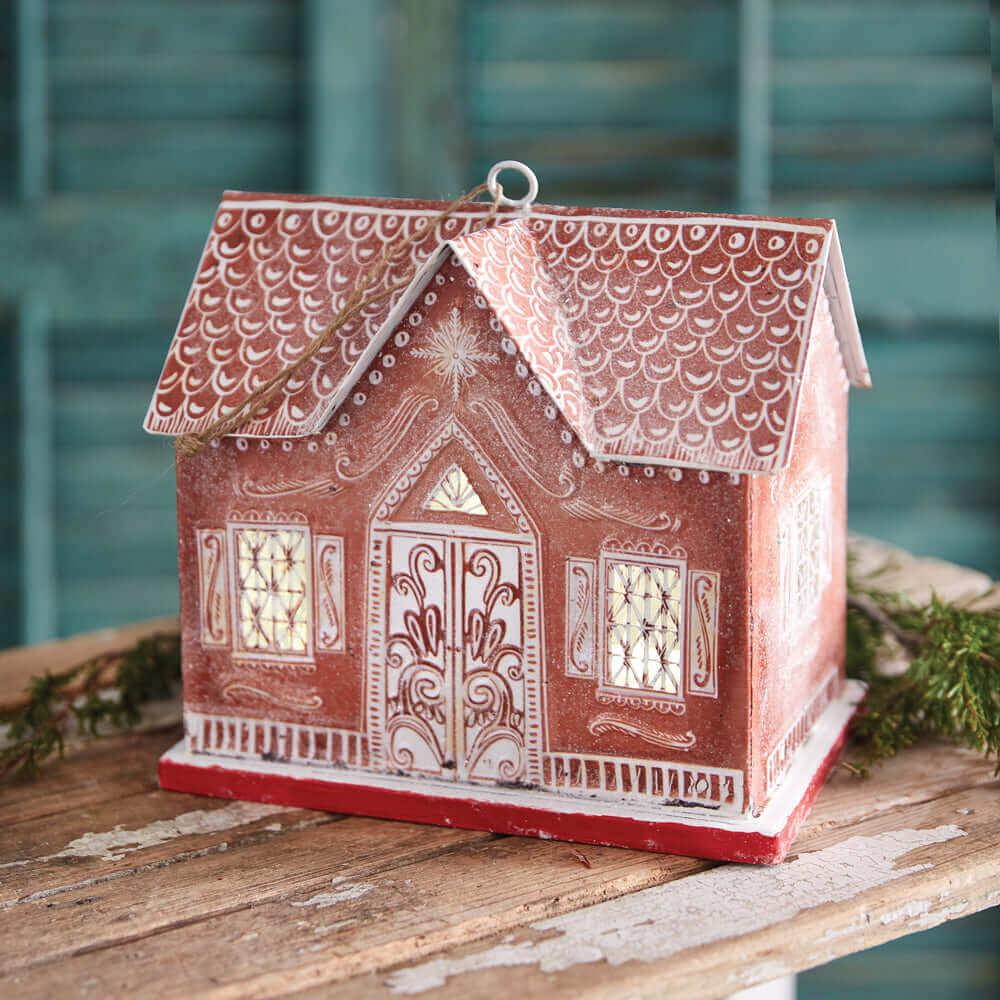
x: 703, y: 841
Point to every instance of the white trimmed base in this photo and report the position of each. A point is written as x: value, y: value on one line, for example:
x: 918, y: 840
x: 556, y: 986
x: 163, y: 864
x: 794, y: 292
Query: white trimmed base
x: 700, y: 832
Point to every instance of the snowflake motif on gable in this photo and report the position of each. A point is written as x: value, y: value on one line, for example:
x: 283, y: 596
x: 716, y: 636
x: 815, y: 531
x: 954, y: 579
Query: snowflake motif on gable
x: 456, y: 351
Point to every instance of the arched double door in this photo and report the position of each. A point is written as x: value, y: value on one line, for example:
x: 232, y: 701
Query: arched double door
x: 454, y: 629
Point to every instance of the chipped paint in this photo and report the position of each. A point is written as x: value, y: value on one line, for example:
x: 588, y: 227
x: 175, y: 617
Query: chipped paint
x: 919, y: 913
x: 346, y: 892
x: 724, y: 902
x: 914, y: 908
x: 114, y: 844
x: 939, y: 916
x: 110, y: 876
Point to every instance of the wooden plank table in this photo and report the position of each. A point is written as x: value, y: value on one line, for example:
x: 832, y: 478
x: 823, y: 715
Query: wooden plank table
x: 110, y: 887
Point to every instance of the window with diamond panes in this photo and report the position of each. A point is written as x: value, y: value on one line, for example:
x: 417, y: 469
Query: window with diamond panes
x: 643, y: 604
x: 272, y: 590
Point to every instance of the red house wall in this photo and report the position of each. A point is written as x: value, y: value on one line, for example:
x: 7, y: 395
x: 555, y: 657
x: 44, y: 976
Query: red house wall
x: 792, y: 661
x: 337, y: 479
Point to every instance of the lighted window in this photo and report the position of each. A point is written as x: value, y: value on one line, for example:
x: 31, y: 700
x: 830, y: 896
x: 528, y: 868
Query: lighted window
x: 272, y: 590
x: 456, y: 494
x: 643, y: 604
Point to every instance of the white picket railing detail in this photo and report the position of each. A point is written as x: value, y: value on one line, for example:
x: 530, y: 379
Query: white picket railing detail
x: 643, y: 780
x: 262, y: 739
x: 780, y: 758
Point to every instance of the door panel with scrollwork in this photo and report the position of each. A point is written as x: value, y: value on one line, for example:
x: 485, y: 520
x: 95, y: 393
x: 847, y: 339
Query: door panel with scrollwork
x: 490, y: 687
x: 454, y: 658
x: 418, y: 656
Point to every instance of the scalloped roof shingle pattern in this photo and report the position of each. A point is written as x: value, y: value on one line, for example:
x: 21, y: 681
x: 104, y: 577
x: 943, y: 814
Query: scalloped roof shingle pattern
x: 664, y: 338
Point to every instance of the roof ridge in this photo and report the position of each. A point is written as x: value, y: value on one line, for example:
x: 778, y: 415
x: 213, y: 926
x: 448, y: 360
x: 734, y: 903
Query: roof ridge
x: 581, y: 417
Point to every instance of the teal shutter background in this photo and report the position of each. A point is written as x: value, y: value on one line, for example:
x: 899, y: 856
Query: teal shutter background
x: 121, y: 121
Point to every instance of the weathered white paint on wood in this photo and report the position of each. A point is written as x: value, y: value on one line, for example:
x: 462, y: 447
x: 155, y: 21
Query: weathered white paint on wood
x: 724, y: 902
x: 113, y: 845
x: 896, y: 571
x: 352, y: 890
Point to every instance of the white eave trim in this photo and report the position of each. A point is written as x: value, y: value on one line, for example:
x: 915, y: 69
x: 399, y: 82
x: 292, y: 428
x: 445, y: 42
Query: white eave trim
x: 420, y: 281
x: 845, y: 323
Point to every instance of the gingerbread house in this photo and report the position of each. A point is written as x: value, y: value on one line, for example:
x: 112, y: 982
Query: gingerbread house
x: 549, y: 541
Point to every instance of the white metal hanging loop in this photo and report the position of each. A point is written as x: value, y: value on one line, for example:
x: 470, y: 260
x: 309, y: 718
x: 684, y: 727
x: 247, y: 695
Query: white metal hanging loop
x: 496, y: 189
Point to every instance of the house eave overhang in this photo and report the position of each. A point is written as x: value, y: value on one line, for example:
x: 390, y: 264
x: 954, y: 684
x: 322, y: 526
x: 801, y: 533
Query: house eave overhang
x: 845, y: 322
x: 832, y: 279
x: 425, y: 272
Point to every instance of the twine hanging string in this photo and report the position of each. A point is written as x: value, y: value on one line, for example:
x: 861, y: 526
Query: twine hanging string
x: 363, y: 295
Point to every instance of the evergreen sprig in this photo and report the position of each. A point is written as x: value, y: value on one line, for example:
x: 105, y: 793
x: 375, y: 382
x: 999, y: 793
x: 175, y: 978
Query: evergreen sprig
x: 106, y: 691
x: 950, y: 689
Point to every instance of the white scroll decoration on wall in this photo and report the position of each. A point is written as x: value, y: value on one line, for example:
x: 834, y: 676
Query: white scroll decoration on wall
x: 212, y: 587
x: 328, y: 560
x: 703, y: 625
x: 581, y: 617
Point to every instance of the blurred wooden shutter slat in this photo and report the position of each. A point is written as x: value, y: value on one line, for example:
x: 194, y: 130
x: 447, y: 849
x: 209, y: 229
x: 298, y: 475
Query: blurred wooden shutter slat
x: 10, y: 481
x: 634, y: 101
x: 142, y: 156
x: 754, y: 157
x: 10, y: 484
x: 148, y: 95
x: 38, y: 568
x: 31, y: 96
x: 9, y: 145
x: 344, y: 55
x: 428, y: 100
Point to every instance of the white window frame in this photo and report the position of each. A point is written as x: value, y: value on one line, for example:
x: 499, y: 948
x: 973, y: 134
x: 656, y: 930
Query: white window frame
x: 271, y: 527
x: 800, y: 607
x: 640, y: 695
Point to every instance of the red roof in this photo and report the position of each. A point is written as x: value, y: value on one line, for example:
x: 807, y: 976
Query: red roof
x: 663, y: 337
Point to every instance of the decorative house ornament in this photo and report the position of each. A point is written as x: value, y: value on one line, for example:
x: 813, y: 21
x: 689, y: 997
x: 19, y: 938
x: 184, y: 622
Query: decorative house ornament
x: 546, y: 536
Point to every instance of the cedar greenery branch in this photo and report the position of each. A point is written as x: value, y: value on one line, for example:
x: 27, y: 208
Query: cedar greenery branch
x: 949, y: 689
x: 105, y: 693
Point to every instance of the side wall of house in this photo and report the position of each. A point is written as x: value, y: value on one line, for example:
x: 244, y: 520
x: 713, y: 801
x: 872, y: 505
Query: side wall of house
x: 449, y: 391
x: 798, y: 568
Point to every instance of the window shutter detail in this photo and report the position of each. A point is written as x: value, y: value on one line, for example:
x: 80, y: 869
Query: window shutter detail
x: 703, y: 629
x: 212, y: 587
x: 581, y: 617
x: 329, y: 563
